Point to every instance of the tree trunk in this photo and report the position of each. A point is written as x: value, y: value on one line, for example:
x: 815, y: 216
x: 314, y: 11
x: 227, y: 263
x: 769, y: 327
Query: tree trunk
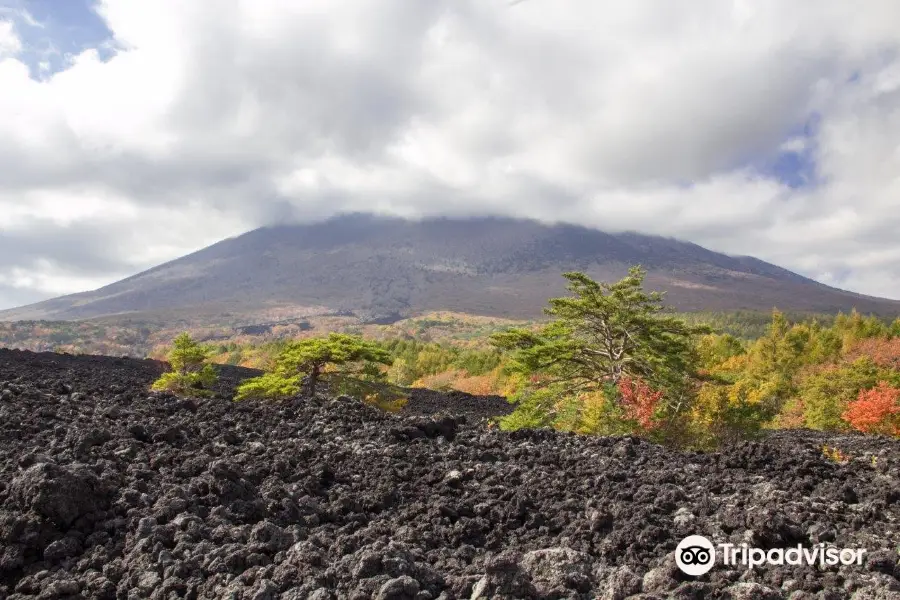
x: 313, y: 380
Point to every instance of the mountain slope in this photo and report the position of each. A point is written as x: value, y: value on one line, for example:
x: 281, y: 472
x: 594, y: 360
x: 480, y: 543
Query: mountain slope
x: 377, y: 267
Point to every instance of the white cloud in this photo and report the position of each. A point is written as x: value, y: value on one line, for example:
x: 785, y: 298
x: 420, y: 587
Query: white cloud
x: 47, y: 277
x: 219, y: 116
x: 10, y: 44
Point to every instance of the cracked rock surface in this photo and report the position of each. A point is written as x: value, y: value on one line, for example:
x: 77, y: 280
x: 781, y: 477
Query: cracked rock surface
x: 108, y: 491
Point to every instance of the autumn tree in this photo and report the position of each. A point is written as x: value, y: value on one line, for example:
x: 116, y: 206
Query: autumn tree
x: 876, y: 410
x: 601, y: 335
x: 190, y: 373
x: 884, y: 352
x: 723, y: 413
x: 767, y: 382
x: 777, y: 355
x: 640, y: 402
x: 855, y: 327
x: 402, y: 372
x: 825, y: 394
x: 894, y: 329
x: 340, y: 359
x: 713, y: 350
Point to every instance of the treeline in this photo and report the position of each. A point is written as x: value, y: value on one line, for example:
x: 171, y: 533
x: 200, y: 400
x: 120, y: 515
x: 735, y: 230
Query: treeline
x: 74, y: 337
x: 612, y: 360
x: 753, y: 324
x: 149, y: 339
x: 842, y: 376
x: 414, y: 363
x: 808, y: 375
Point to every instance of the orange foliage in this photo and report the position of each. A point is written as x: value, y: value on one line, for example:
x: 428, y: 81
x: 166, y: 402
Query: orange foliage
x: 639, y: 401
x: 884, y: 353
x: 876, y: 410
x: 477, y: 385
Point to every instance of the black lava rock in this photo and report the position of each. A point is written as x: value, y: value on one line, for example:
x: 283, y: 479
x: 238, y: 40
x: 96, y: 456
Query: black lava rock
x: 122, y: 493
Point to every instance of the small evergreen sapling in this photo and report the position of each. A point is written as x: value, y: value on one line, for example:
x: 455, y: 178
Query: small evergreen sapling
x: 190, y: 375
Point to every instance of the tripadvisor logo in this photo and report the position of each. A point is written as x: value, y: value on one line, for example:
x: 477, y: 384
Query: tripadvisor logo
x: 696, y: 555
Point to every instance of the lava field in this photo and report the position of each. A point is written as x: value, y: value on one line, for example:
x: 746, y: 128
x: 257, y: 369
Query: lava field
x: 109, y: 491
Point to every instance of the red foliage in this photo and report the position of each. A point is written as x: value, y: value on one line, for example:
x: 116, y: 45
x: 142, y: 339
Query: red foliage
x: 639, y: 401
x: 876, y: 410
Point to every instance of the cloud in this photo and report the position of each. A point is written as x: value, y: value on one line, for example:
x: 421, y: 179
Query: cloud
x: 197, y: 120
x: 10, y: 44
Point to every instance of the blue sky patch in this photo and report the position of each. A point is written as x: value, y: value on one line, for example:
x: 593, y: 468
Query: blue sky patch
x: 54, y: 31
x: 794, y: 163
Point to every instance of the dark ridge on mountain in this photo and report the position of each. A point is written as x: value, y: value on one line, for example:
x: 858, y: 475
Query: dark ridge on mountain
x: 381, y: 268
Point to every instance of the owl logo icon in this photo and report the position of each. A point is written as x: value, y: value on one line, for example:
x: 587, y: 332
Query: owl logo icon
x: 695, y: 555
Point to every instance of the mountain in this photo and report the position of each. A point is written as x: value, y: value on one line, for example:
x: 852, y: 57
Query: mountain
x: 384, y: 268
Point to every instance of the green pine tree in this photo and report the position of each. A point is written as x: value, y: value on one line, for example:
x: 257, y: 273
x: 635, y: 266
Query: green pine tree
x: 597, y: 336
x: 190, y: 374
x: 345, y: 360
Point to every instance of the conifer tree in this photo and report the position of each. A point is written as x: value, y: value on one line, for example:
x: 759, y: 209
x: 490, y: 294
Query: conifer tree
x: 600, y: 336
x: 189, y: 374
x: 336, y: 358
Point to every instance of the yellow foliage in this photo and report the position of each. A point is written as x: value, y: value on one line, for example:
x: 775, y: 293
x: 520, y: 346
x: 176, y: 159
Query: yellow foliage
x: 735, y: 364
x: 257, y: 360
x: 511, y: 385
x: 710, y: 404
x: 748, y: 391
x: 593, y: 412
x: 721, y: 412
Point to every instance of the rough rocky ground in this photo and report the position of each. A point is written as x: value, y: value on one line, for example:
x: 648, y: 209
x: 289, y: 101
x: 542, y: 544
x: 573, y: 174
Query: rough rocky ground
x: 108, y: 491
x: 478, y: 408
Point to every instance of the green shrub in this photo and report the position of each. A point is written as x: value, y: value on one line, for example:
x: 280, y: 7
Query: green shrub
x: 190, y: 375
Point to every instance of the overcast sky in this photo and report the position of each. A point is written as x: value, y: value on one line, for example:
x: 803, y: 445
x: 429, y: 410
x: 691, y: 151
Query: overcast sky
x: 135, y: 132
